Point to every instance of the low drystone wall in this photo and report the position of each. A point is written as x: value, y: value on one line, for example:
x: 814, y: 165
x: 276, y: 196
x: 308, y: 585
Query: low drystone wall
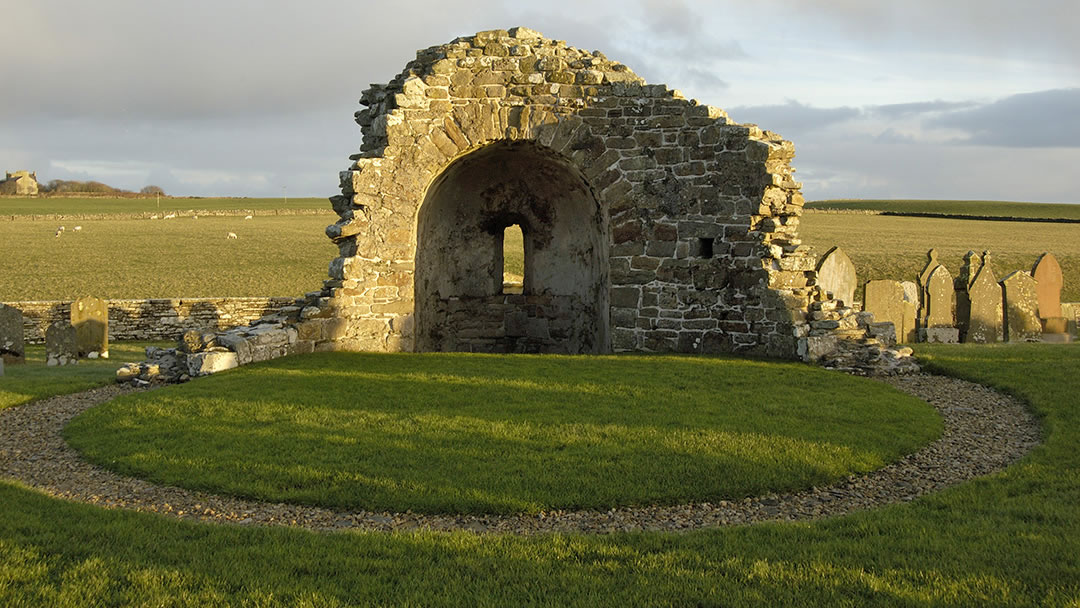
x: 160, y: 319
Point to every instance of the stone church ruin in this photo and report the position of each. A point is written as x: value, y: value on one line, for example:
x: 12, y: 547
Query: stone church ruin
x: 651, y: 222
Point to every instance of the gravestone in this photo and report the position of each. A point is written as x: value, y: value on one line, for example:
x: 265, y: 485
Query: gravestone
x: 836, y: 274
x: 60, y: 344
x: 984, y: 295
x: 924, y: 281
x: 12, y: 343
x: 1047, y: 273
x: 1022, y: 322
x: 909, y: 332
x: 90, y: 317
x: 885, y: 299
x: 939, y: 303
x: 968, y: 270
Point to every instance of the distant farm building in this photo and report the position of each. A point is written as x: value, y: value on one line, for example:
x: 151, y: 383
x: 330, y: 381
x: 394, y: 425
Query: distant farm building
x: 20, y: 183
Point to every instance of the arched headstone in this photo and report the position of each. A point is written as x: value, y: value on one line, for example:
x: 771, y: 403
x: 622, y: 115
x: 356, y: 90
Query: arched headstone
x: 885, y: 299
x: 90, y: 318
x: 836, y: 274
x: 924, y: 281
x: 1047, y: 273
x: 60, y: 345
x: 12, y: 334
x: 984, y: 295
x: 909, y: 331
x: 939, y: 304
x: 1022, y: 322
x: 968, y: 271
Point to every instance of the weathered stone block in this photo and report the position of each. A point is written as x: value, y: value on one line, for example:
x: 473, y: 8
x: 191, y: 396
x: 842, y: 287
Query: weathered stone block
x: 210, y: 362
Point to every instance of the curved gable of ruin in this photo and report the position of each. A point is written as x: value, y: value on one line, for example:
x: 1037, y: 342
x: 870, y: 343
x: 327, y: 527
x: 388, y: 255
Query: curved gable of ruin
x: 652, y: 222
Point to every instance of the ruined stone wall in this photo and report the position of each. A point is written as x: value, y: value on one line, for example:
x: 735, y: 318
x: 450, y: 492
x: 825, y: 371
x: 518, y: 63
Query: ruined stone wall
x: 697, y: 215
x: 164, y: 319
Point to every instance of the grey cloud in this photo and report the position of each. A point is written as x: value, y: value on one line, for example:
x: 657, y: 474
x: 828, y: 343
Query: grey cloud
x: 837, y: 166
x: 1002, y: 28
x: 1028, y: 120
x: 906, y: 110
x: 892, y: 136
x: 793, y: 118
x: 116, y: 59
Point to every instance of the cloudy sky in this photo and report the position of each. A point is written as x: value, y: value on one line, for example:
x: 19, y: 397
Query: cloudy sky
x: 971, y: 99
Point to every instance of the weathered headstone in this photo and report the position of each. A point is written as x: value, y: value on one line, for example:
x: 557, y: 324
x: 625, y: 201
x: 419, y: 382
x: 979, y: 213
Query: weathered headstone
x: 60, y: 344
x: 90, y: 317
x: 911, y: 312
x: 1047, y: 273
x: 968, y: 270
x: 984, y: 295
x: 1022, y: 322
x: 836, y: 274
x: 924, y: 281
x: 885, y: 299
x: 941, y: 298
x: 12, y: 344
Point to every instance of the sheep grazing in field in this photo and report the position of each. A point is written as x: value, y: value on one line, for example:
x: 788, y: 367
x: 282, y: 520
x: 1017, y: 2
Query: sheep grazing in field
x: 231, y: 235
x: 170, y: 216
x: 247, y: 217
x: 77, y: 228
x: 59, y: 231
x: 154, y: 217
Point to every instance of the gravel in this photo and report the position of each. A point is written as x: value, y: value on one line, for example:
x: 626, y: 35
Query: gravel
x: 985, y: 431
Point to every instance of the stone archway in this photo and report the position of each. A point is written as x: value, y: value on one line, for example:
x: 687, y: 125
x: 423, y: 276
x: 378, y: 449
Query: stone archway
x: 459, y: 299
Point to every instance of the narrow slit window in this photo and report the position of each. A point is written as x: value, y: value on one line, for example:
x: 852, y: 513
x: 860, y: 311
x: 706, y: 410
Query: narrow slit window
x: 513, y: 259
x: 705, y: 248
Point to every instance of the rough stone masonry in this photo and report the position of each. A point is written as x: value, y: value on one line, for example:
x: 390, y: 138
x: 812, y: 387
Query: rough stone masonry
x: 650, y: 222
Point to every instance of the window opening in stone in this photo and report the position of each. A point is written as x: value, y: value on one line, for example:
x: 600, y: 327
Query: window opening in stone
x: 513, y: 259
x: 705, y: 248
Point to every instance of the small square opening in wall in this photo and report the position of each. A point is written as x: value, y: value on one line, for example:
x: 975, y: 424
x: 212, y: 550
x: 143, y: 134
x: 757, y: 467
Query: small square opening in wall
x: 704, y: 248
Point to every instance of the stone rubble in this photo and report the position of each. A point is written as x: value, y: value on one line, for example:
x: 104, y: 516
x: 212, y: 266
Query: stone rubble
x: 985, y: 431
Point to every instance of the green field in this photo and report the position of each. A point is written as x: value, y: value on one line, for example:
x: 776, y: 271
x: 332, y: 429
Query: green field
x: 887, y: 247
x: 289, y: 255
x: 182, y: 257
x: 418, y: 431
x: 947, y: 207
x: 71, y: 205
x: 1009, y: 539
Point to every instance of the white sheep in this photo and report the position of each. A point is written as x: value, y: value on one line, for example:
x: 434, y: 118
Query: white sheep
x: 170, y: 216
x: 59, y: 231
x: 247, y: 217
x: 231, y: 235
x: 77, y: 228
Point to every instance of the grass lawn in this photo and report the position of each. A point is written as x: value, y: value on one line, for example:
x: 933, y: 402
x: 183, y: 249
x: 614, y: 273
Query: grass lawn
x: 453, y: 433
x: 183, y: 257
x: 70, y: 205
x: 33, y: 380
x: 886, y: 247
x: 1011, y: 539
x: 980, y: 208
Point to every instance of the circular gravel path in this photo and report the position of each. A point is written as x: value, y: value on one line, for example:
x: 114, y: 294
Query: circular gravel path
x: 985, y: 431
